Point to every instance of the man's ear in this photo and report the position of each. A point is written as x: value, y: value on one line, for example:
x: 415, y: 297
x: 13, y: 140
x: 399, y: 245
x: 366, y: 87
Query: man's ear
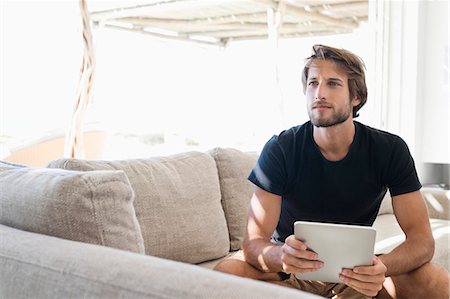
x: 356, y: 101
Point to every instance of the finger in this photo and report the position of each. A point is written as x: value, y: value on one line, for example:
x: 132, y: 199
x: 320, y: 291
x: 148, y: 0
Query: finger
x: 304, y: 254
x: 362, y: 277
x: 295, y: 243
x: 296, y: 270
x: 377, y: 268
x: 301, y: 263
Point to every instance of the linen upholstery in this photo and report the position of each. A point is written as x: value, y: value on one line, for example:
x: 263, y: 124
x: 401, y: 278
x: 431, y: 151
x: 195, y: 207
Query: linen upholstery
x: 438, y: 202
x: 39, y: 266
x: 233, y: 167
x: 177, y: 204
x: 94, y: 207
x: 386, y: 205
x: 436, y: 199
x: 6, y: 164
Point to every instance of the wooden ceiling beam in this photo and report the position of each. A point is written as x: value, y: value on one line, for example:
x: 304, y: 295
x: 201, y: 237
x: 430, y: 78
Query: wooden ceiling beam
x: 233, y: 18
x: 183, y: 25
x: 222, y: 32
x: 339, y: 7
x: 293, y: 35
x: 283, y: 32
x: 141, y: 10
x: 163, y: 36
x: 302, y: 13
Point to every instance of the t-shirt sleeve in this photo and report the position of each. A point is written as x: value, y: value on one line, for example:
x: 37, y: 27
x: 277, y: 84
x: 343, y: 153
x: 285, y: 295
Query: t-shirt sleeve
x: 402, y: 176
x: 269, y: 172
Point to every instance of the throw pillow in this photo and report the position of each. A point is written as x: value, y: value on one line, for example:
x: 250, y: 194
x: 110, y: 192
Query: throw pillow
x: 95, y: 207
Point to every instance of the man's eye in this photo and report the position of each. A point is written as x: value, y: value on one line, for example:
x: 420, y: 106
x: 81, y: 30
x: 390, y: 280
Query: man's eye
x: 331, y: 83
x: 312, y: 83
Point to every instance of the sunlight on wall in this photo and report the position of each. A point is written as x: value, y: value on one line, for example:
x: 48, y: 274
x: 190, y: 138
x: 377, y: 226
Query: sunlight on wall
x: 41, y: 52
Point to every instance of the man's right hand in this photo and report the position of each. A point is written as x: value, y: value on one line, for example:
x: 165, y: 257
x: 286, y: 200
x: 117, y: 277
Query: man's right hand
x: 295, y: 258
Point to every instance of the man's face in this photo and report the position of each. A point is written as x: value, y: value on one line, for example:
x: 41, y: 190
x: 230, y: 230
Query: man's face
x: 327, y: 94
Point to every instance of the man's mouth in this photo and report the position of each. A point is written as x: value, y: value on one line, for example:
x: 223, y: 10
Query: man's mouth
x: 321, y: 106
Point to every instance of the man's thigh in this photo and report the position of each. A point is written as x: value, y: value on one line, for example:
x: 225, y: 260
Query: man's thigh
x: 325, y: 289
x: 235, y: 264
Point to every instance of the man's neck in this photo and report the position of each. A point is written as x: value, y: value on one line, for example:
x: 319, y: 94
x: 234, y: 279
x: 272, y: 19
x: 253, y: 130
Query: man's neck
x: 334, y: 142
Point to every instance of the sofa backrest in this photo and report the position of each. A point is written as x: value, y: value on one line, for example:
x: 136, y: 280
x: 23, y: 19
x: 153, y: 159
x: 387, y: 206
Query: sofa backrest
x: 386, y: 205
x: 177, y: 203
x: 191, y: 207
x: 233, y: 167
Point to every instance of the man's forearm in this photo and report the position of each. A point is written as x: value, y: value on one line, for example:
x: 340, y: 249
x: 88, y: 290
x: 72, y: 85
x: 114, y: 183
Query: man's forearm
x: 263, y: 255
x: 409, y: 255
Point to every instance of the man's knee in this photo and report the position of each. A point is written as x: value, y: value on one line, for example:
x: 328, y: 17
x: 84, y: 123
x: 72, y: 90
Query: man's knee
x: 231, y: 266
x: 428, y: 280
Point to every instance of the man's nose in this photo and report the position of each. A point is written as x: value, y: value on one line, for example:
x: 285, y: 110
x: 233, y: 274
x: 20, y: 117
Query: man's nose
x: 319, y: 92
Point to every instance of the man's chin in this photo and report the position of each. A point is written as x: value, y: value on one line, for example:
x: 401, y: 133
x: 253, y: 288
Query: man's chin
x: 321, y: 123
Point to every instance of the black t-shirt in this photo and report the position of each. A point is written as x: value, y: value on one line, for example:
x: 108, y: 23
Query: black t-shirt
x: 348, y: 191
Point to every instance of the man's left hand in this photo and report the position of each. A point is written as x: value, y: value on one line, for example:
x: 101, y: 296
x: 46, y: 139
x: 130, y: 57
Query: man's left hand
x: 367, y: 280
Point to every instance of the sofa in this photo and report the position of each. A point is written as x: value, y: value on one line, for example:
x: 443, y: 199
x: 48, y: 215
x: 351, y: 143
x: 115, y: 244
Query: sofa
x: 146, y: 228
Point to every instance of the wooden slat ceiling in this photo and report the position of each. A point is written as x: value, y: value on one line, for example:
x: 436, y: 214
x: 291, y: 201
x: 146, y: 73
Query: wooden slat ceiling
x: 218, y: 22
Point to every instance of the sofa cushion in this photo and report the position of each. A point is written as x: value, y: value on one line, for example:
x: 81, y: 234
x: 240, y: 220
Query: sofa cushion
x: 177, y: 204
x: 92, y: 207
x: 386, y: 205
x: 233, y: 167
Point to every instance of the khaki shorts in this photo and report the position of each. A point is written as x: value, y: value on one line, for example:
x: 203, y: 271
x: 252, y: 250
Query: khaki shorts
x: 325, y: 289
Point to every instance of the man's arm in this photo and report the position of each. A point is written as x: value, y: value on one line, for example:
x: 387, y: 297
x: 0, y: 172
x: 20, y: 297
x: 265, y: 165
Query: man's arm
x: 418, y: 248
x: 263, y: 216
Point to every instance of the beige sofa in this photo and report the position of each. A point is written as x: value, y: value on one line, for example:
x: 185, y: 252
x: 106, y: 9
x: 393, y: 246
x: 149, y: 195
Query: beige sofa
x: 144, y: 228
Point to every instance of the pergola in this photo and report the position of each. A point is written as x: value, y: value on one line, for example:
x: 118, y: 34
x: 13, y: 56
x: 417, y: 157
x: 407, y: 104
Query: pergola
x: 218, y: 22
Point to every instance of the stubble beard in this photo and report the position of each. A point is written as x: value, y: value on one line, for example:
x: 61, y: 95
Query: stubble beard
x: 336, y: 119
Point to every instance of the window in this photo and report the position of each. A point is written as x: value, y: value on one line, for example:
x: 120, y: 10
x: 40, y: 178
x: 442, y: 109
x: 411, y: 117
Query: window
x: 155, y: 96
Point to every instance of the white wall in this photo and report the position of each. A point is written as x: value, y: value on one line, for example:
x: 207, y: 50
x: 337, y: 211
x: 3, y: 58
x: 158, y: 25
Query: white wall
x: 413, y: 81
x: 433, y: 104
x: 433, y: 83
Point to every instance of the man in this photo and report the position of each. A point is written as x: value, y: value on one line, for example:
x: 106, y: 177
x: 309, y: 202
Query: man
x: 334, y: 169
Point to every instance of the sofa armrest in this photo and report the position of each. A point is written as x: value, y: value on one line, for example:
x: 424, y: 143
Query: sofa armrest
x: 438, y: 202
x: 436, y: 199
x: 39, y: 266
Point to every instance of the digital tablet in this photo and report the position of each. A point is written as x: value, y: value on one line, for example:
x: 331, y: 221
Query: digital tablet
x: 338, y: 246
